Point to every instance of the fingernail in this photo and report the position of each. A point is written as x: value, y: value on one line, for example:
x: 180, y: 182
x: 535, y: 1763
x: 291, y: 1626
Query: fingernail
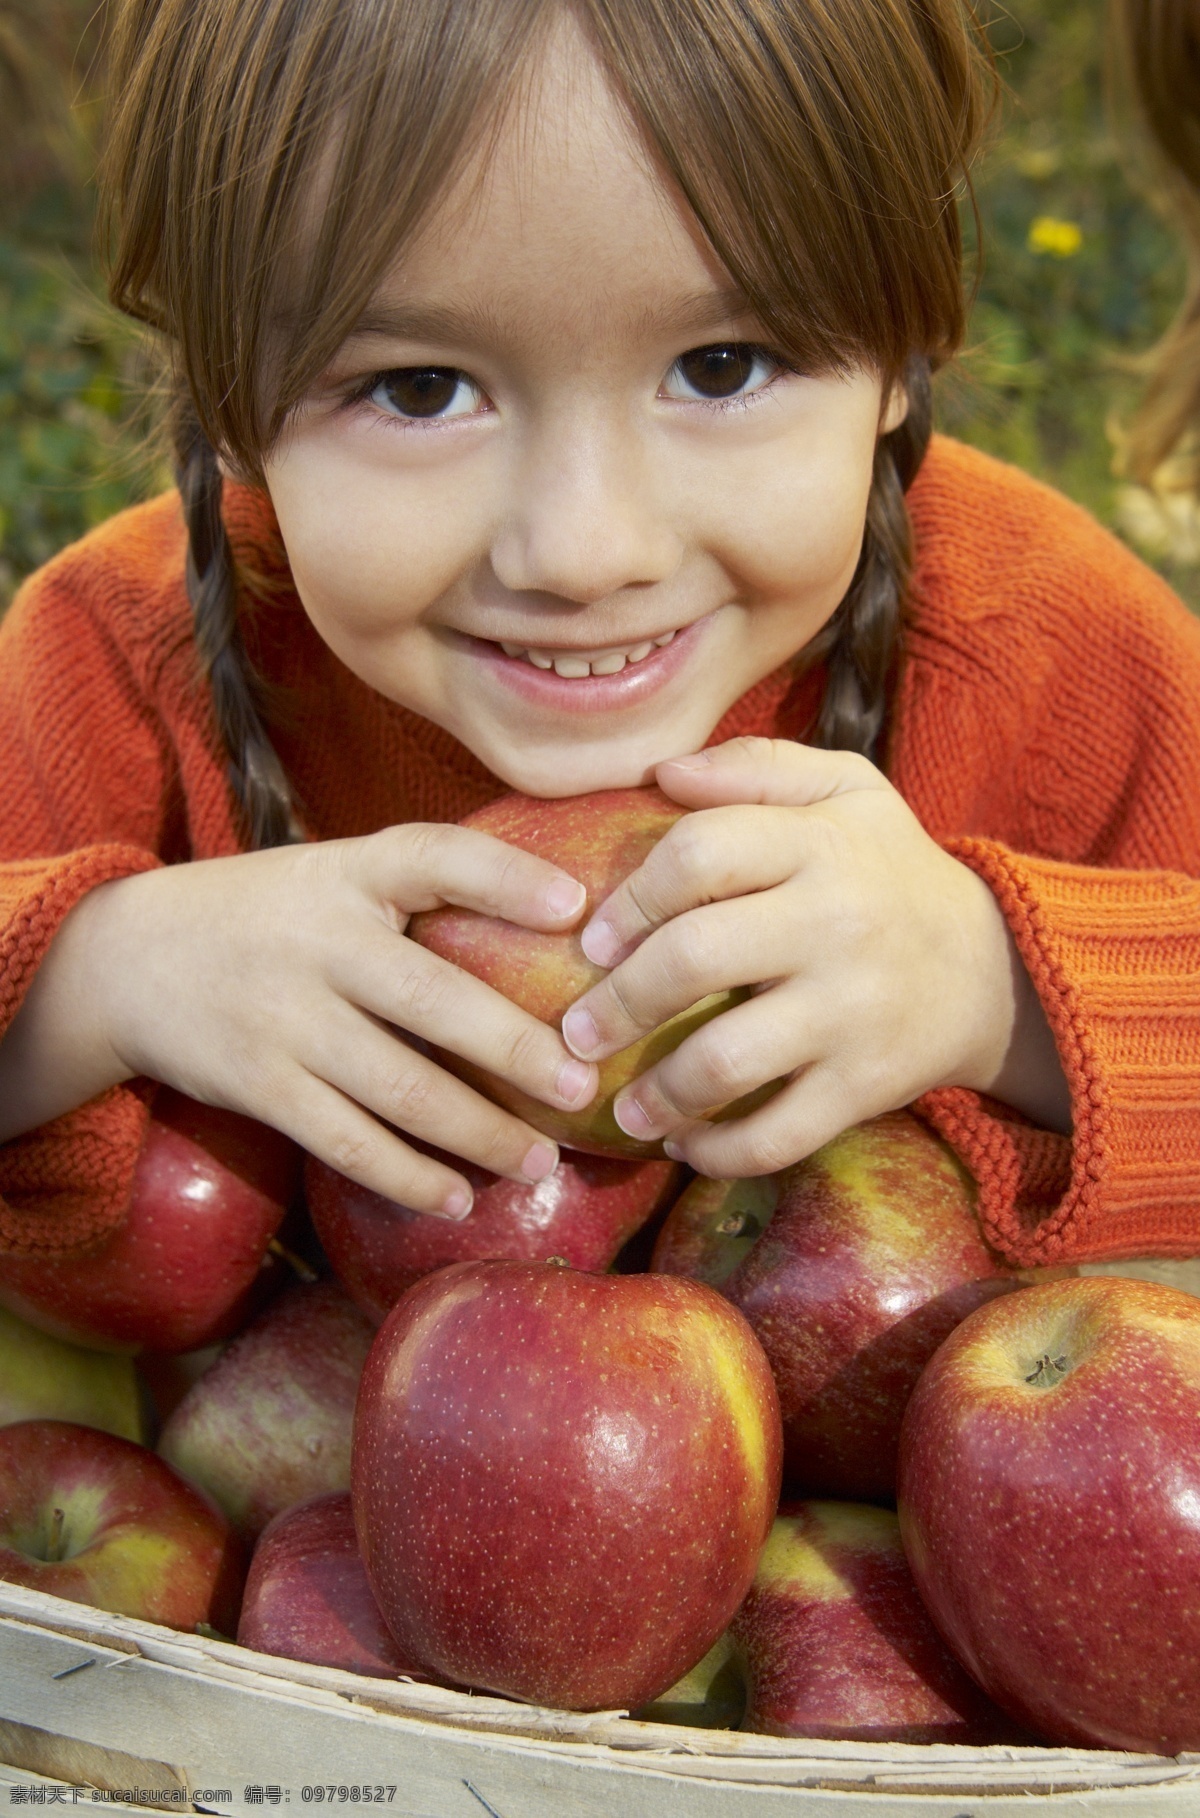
x: 457, y: 1203
x: 580, y: 1032
x: 696, y: 761
x: 631, y: 1117
x: 564, y: 896
x: 673, y: 1151
x: 600, y: 943
x: 540, y: 1161
x: 575, y: 1078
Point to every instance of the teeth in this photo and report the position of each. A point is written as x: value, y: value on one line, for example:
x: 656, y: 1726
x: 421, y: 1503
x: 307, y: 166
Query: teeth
x: 576, y: 664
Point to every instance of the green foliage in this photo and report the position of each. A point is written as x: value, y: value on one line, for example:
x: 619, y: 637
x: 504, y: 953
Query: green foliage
x: 1079, y: 277
x: 1051, y: 370
x: 68, y: 459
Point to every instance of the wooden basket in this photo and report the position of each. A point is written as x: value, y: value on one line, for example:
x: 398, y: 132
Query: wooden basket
x: 173, y: 1721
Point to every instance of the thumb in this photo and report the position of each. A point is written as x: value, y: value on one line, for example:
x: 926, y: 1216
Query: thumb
x: 777, y: 773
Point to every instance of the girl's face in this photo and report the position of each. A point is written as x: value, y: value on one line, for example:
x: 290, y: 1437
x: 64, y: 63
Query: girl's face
x: 556, y: 493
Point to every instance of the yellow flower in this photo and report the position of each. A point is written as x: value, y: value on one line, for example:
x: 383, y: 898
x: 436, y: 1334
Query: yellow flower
x: 1062, y: 239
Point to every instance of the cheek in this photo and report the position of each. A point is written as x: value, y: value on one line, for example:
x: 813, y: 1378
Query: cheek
x: 797, y: 532
x: 370, y: 552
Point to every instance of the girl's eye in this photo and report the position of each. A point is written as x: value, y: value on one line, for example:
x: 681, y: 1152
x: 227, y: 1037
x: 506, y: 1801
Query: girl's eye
x: 425, y: 391
x: 728, y: 369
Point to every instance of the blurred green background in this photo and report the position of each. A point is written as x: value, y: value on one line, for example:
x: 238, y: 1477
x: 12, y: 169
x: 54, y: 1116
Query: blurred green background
x: 1080, y: 276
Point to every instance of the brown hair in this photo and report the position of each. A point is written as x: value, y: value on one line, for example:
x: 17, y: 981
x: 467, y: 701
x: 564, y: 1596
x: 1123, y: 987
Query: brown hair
x: 820, y: 143
x: 1157, y: 43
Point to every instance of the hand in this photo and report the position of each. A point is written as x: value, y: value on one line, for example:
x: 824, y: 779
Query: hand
x: 281, y: 984
x: 882, y: 967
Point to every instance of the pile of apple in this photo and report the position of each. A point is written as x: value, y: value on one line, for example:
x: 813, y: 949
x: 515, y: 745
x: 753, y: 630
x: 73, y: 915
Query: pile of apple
x: 542, y: 1453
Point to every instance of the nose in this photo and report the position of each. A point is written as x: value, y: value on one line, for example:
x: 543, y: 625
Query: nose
x: 583, y: 520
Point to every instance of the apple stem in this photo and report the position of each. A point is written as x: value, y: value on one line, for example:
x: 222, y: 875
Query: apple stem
x: 54, y: 1548
x: 295, y: 1263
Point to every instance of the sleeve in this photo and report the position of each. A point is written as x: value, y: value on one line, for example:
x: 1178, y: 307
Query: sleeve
x: 1115, y: 959
x: 88, y: 784
x: 1094, y: 860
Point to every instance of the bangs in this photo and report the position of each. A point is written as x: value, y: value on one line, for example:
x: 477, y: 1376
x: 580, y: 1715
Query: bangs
x: 269, y: 159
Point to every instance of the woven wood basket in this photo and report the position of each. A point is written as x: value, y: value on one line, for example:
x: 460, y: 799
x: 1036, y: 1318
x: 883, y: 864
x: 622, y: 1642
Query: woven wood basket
x: 172, y: 1721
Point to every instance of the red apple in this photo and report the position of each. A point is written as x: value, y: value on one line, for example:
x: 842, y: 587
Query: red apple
x: 95, y: 1518
x: 1050, y: 1506
x: 269, y: 1424
x: 562, y: 1481
x: 209, y: 1193
x: 45, y: 1378
x: 599, y: 840
x: 710, y: 1696
x: 835, y: 1642
x: 583, y: 1212
x: 872, y: 1255
x: 307, y: 1595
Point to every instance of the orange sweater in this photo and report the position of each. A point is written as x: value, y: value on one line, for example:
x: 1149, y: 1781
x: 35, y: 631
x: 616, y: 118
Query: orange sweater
x: 1045, y: 728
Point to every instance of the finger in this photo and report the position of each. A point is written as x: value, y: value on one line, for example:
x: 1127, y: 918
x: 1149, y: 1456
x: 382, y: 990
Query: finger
x: 769, y: 772
x: 417, y: 991
x: 743, y: 1049
x: 717, y: 948
x: 430, y: 864
x: 340, y: 1133
x: 808, y: 1113
x: 406, y: 1089
x: 703, y: 858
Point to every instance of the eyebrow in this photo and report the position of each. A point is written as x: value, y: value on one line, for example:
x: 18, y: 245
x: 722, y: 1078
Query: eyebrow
x: 473, y: 324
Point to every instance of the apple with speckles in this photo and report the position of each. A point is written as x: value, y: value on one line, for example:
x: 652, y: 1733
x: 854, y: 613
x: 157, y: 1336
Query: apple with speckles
x: 95, y: 1518
x: 598, y: 840
x: 835, y: 1642
x: 1049, y: 1500
x: 852, y: 1268
x: 307, y: 1596
x: 210, y: 1190
x: 584, y: 1212
x: 269, y: 1423
x: 562, y: 1481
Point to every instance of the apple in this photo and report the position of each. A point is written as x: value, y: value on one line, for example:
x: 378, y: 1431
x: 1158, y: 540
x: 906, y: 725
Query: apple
x: 871, y: 1256
x: 93, y: 1517
x: 307, y: 1595
x: 599, y: 840
x: 168, y: 1375
x: 1049, y: 1499
x: 209, y: 1192
x: 835, y: 1642
x: 45, y: 1378
x: 711, y: 1696
x: 583, y: 1212
x: 269, y: 1424
x: 562, y: 1481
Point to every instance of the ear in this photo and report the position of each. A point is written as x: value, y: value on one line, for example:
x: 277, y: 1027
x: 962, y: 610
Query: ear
x: 895, y: 407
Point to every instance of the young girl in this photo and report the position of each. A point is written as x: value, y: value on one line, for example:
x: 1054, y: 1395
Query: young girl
x: 551, y: 379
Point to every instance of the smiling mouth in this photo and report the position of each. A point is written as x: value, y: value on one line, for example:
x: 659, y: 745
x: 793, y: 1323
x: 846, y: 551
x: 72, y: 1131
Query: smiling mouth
x: 573, y: 665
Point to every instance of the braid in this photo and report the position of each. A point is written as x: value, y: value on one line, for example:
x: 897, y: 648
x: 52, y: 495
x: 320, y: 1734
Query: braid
x: 255, y: 772
x: 861, y: 639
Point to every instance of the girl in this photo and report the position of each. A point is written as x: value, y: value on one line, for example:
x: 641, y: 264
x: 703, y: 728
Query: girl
x: 551, y: 379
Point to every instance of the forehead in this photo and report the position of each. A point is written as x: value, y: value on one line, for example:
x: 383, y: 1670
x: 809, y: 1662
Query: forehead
x: 561, y: 216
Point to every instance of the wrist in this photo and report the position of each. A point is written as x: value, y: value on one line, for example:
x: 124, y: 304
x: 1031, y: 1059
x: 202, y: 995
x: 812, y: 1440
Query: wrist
x: 1015, y: 1058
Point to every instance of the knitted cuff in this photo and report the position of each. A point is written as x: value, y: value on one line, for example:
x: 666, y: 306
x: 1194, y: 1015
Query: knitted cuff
x: 1115, y: 959
x: 67, y: 1184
